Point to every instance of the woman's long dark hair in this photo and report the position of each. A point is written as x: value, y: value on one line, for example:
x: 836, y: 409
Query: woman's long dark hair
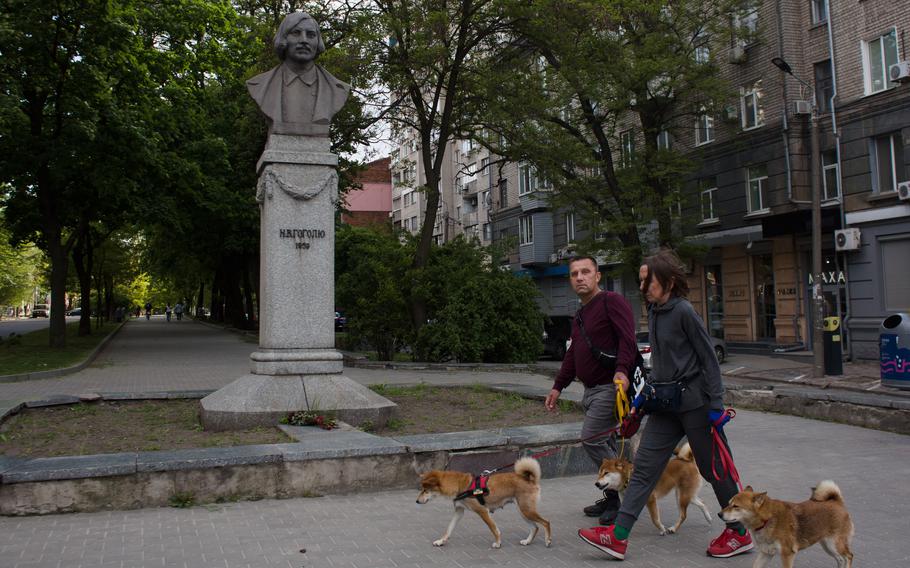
x: 668, y: 269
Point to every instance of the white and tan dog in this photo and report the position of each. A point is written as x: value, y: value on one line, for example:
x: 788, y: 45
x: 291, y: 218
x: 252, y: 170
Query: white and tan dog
x: 781, y: 527
x: 681, y: 474
x: 521, y: 487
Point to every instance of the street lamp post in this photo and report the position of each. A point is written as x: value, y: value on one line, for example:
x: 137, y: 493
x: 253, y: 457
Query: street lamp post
x: 818, y: 304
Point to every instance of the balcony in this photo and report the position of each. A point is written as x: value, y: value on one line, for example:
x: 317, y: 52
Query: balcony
x: 534, y: 201
x: 470, y: 188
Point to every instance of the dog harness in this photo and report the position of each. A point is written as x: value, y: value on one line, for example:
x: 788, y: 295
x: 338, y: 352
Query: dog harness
x: 478, y: 489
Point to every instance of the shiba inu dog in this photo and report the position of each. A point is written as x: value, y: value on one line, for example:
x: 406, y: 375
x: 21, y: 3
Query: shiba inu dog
x: 521, y: 487
x: 680, y: 474
x: 781, y: 527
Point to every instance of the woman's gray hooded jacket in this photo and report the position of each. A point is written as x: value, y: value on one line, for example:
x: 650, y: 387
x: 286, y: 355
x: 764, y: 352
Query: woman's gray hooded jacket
x: 681, y: 350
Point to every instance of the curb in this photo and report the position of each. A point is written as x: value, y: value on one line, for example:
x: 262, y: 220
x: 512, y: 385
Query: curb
x: 51, y: 373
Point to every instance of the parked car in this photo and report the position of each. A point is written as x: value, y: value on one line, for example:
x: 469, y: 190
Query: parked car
x: 555, y: 337
x: 41, y: 311
x: 644, y: 347
x: 74, y: 312
x: 341, y: 322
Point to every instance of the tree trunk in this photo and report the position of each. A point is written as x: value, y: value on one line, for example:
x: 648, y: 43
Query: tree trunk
x: 248, y: 291
x: 109, y: 295
x: 200, y: 299
x: 81, y: 254
x: 59, y: 268
x: 233, y: 297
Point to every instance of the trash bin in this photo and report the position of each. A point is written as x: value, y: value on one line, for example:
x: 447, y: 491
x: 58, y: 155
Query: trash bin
x: 834, y: 351
x: 894, y: 351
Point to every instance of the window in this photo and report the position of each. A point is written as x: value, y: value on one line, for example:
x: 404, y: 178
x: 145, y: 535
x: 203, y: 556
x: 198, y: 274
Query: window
x: 525, y: 230
x: 895, y: 253
x: 409, y: 198
x: 758, y: 187
x: 704, y: 129
x: 528, y: 181
x: 484, y: 166
x: 888, y: 162
x: 414, y: 225
x: 878, y: 56
x: 746, y: 21
x: 663, y: 140
x: 487, y: 231
x: 626, y: 148
x: 819, y: 11
x: 830, y: 186
x: 503, y: 193
x: 570, y: 227
x: 824, y: 86
x: 702, y: 53
x: 708, y: 189
x: 750, y: 106
x: 485, y: 196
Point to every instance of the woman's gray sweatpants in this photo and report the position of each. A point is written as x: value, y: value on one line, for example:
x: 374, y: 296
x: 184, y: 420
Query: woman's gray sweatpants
x: 661, y: 434
x: 599, y: 404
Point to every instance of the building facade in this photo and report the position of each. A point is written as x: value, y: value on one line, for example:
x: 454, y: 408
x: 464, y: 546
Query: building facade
x: 749, y: 199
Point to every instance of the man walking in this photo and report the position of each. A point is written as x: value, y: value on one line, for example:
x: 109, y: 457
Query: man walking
x: 604, y: 323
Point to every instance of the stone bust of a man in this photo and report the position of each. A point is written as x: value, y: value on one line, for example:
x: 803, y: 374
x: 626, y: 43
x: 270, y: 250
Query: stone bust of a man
x: 298, y: 96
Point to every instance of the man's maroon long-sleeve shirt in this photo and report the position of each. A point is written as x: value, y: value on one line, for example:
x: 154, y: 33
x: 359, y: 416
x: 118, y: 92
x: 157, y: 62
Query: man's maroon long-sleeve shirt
x: 609, y: 323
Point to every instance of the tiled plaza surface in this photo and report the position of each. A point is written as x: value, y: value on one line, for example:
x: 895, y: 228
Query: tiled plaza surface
x: 781, y: 454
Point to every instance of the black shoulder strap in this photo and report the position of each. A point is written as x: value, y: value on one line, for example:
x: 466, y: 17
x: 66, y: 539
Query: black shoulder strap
x: 581, y: 327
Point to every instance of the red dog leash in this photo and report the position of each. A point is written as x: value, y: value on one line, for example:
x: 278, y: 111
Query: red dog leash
x: 720, y: 447
x: 488, y: 472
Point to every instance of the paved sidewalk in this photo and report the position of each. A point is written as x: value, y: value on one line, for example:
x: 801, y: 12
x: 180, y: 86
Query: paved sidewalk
x: 155, y: 356
x: 782, y: 454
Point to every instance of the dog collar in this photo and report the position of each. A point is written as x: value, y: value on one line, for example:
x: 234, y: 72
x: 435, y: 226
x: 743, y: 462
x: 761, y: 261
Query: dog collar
x: 762, y: 526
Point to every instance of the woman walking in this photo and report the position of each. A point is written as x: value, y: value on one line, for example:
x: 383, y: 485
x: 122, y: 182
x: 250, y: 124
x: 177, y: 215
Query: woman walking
x: 685, y: 369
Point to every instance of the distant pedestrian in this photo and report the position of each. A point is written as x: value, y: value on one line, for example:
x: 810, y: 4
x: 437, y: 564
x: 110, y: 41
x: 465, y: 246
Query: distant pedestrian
x: 148, y: 310
x: 178, y: 309
x: 167, y: 311
x: 138, y: 311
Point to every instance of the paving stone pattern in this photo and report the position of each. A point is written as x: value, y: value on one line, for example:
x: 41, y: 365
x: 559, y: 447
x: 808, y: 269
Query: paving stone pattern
x: 782, y: 454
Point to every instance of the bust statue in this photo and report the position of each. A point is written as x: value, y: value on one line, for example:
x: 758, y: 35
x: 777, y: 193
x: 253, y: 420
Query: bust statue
x: 298, y: 96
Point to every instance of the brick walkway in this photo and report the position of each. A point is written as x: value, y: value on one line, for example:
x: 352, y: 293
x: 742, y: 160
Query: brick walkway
x: 781, y: 454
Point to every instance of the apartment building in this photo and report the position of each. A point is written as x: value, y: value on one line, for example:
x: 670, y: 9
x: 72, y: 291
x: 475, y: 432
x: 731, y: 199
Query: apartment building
x: 755, y: 179
x: 750, y: 197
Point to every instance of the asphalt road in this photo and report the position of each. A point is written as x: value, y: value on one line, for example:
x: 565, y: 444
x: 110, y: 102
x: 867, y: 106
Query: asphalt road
x: 23, y: 326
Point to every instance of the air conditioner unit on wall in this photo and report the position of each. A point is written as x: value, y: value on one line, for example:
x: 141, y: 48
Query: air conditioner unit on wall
x: 903, y: 191
x: 738, y: 54
x: 847, y: 239
x: 802, y: 107
x: 900, y: 72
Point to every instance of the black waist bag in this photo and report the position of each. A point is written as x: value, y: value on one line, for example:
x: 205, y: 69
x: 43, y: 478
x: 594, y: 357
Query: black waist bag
x: 662, y: 397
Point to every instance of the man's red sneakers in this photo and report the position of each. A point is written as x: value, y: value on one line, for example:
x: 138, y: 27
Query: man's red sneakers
x: 730, y: 543
x: 604, y: 539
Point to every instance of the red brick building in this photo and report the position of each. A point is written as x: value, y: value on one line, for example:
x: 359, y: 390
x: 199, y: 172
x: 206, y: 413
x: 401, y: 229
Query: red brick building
x: 372, y: 204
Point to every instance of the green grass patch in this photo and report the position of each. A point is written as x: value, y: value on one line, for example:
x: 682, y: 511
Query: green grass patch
x: 33, y: 354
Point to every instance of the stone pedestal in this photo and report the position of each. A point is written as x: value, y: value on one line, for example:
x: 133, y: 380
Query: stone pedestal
x: 296, y: 366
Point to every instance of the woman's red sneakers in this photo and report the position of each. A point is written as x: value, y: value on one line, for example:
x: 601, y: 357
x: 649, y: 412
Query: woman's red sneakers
x: 730, y: 543
x: 604, y: 539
